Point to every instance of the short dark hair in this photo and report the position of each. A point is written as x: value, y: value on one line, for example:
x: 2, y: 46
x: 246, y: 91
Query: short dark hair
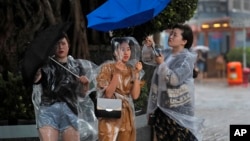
x: 64, y: 35
x: 187, y: 34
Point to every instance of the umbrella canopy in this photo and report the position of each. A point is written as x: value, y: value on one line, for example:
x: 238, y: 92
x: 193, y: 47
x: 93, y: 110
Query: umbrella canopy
x: 116, y: 14
x: 40, y: 49
x: 201, y: 48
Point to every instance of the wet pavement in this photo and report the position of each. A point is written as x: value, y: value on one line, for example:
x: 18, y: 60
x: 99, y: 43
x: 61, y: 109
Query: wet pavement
x: 221, y: 105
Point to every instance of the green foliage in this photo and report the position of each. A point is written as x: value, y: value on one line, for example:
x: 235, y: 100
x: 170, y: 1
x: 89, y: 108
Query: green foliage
x: 141, y: 102
x: 15, y: 99
x: 177, y: 11
x: 236, y: 54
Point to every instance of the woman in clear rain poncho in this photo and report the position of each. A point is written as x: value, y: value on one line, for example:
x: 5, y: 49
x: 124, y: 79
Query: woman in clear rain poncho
x: 122, y: 79
x: 174, y: 67
x: 60, y: 97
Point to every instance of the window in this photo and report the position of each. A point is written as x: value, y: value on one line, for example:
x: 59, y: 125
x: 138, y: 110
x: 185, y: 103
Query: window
x: 214, y: 9
x: 246, y: 5
x: 208, y: 9
x: 222, y: 8
x: 237, y: 4
x: 200, y: 8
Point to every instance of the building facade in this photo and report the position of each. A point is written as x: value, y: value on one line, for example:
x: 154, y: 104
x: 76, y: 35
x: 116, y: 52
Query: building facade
x: 221, y: 25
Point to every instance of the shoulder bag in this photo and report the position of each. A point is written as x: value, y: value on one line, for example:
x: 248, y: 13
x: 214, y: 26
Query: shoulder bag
x: 177, y: 95
x: 106, y: 107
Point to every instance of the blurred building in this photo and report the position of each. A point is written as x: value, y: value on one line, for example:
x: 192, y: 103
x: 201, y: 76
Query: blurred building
x: 219, y: 25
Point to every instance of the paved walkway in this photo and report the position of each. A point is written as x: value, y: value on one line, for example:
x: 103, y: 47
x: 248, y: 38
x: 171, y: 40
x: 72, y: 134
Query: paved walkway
x: 221, y: 105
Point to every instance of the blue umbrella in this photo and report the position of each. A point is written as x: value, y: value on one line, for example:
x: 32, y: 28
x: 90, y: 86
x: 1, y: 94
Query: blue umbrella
x: 117, y: 14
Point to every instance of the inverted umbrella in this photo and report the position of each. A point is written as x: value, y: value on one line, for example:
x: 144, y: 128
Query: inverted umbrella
x: 116, y: 14
x: 40, y: 49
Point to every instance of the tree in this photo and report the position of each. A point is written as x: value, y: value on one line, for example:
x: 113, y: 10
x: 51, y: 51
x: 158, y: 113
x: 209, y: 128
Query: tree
x: 177, y: 11
x: 21, y: 20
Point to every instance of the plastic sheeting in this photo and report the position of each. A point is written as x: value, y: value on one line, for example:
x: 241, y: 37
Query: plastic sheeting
x: 65, y: 88
x: 123, y: 87
x: 175, y: 70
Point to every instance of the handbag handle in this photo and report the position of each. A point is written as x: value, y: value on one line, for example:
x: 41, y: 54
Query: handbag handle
x: 93, y: 95
x: 113, y: 96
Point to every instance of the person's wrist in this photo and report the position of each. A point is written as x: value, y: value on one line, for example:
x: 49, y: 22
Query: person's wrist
x: 137, y: 79
x: 136, y: 76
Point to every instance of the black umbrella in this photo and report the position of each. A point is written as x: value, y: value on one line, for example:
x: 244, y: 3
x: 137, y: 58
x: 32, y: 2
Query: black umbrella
x: 40, y: 49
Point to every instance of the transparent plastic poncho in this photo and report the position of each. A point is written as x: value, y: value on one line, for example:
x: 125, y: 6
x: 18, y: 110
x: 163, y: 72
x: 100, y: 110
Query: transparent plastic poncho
x: 173, y: 72
x: 87, y: 122
x: 118, y: 55
x: 125, y: 79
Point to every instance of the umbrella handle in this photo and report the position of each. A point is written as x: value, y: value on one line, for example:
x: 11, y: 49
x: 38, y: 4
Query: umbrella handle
x: 155, y: 52
x: 63, y: 67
